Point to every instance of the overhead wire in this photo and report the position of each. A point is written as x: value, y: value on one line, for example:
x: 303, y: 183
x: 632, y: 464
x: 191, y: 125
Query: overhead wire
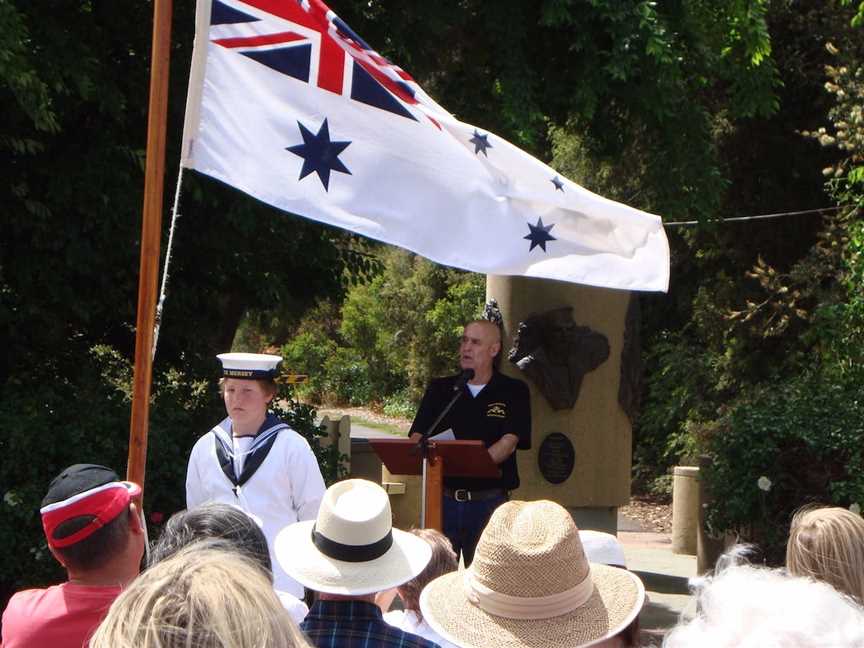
x: 752, y: 218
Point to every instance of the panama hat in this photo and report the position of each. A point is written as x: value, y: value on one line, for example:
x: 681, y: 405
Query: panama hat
x: 352, y: 547
x: 531, y: 586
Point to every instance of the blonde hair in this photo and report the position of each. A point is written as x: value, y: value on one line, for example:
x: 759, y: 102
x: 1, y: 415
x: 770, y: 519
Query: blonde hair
x: 443, y: 561
x: 827, y: 544
x: 205, y: 596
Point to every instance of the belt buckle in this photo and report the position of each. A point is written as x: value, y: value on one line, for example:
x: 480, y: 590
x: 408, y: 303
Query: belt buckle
x: 462, y: 495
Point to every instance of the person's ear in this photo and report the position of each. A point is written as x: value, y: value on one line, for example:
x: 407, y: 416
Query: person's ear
x: 57, y: 556
x: 136, y: 520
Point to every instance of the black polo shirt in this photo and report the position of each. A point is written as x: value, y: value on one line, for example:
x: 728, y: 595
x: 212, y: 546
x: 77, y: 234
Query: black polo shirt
x: 502, y: 407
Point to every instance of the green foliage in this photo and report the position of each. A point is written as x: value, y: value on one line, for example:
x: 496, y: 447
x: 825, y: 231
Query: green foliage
x: 302, y: 419
x: 306, y: 354
x: 680, y: 375
x: 806, y: 435
x: 661, y: 487
x: 630, y: 76
x: 347, y: 377
x: 393, y: 334
x: 399, y: 405
x: 858, y: 18
x: 83, y: 417
x: 462, y: 303
x: 407, y: 320
x: 766, y: 376
x: 710, y: 68
x: 74, y: 96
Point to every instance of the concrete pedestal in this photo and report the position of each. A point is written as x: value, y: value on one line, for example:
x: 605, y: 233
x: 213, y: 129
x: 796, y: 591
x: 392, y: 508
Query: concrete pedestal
x: 685, y: 509
x: 597, y: 426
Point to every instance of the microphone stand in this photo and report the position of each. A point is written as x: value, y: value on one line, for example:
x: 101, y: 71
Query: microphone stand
x: 423, y: 444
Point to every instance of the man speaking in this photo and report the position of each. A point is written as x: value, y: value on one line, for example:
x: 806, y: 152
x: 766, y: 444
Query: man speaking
x: 492, y: 408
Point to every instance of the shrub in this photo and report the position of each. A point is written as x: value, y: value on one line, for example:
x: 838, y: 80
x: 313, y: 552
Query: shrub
x: 680, y: 378
x: 347, y: 377
x: 307, y: 354
x: 301, y: 418
x: 806, y: 436
x: 393, y: 332
x: 50, y: 423
x: 400, y: 405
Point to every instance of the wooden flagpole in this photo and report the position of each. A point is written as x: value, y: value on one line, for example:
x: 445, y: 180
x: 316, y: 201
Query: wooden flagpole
x: 151, y: 232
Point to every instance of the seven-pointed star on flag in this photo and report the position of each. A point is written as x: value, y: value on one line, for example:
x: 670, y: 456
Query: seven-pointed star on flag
x: 559, y: 184
x: 481, y: 143
x: 539, y: 234
x: 319, y: 154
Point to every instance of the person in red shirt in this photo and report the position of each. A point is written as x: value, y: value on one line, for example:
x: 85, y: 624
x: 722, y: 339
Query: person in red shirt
x: 95, y: 531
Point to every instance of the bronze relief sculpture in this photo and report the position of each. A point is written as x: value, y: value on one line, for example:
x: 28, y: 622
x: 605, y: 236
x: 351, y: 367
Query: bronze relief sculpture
x: 556, y: 353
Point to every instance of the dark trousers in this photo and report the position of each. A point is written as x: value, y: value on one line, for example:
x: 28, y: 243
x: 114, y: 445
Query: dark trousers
x: 465, y: 521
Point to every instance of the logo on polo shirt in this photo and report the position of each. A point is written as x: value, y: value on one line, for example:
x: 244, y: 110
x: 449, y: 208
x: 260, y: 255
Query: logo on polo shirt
x: 498, y: 410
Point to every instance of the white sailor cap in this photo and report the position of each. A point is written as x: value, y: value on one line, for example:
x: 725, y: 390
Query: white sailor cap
x: 251, y: 366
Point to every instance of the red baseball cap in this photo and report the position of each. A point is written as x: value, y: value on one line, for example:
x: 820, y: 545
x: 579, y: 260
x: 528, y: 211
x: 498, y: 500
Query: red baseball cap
x: 84, y: 491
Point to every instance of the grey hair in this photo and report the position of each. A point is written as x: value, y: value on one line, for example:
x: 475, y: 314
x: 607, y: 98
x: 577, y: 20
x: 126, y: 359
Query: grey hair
x: 753, y: 607
x: 213, y: 520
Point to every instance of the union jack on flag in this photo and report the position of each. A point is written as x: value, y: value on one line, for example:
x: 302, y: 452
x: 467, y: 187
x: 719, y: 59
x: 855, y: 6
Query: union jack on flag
x: 305, y: 40
x: 291, y: 106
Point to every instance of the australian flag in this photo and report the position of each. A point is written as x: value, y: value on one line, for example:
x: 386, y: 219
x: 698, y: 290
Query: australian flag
x: 288, y: 104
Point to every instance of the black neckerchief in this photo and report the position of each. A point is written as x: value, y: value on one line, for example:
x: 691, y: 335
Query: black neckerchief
x: 264, y: 440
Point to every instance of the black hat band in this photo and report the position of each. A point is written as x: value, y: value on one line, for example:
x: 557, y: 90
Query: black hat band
x: 352, y: 553
x: 248, y: 374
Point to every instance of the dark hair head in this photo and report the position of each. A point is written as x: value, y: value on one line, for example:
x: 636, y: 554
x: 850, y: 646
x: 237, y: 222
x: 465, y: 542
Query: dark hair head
x: 97, y: 549
x: 213, y: 520
x: 443, y: 561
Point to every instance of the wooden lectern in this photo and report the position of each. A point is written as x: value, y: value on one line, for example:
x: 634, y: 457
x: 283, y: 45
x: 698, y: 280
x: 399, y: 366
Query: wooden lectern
x: 450, y: 458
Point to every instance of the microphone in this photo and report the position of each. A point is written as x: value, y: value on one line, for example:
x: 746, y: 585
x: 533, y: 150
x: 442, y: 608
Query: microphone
x: 463, y: 378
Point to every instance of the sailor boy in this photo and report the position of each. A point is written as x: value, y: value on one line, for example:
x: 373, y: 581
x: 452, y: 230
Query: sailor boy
x: 253, y: 460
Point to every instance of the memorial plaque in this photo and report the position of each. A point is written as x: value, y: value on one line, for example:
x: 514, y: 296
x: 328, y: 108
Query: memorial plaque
x: 556, y: 458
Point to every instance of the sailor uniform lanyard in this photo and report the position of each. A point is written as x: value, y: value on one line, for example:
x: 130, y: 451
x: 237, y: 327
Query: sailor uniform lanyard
x: 233, y: 457
x: 241, y: 447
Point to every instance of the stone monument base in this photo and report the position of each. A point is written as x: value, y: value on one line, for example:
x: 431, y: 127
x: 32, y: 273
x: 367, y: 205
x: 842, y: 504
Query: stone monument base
x: 596, y: 518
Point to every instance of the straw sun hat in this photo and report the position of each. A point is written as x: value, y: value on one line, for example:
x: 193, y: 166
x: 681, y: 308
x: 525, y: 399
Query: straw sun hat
x: 531, y: 586
x: 352, y: 547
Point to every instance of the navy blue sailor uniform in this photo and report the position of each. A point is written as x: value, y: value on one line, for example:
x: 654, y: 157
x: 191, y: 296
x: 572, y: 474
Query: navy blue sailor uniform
x: 502, y: 407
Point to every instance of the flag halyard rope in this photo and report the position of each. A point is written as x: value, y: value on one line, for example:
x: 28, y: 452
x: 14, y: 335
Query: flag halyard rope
x: 163, y: 289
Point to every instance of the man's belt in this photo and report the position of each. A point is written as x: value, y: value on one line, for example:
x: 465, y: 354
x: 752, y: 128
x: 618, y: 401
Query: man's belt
x: 465, y: 495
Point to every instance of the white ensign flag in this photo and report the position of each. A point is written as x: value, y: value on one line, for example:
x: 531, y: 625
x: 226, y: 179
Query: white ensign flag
x: 289, y: 105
